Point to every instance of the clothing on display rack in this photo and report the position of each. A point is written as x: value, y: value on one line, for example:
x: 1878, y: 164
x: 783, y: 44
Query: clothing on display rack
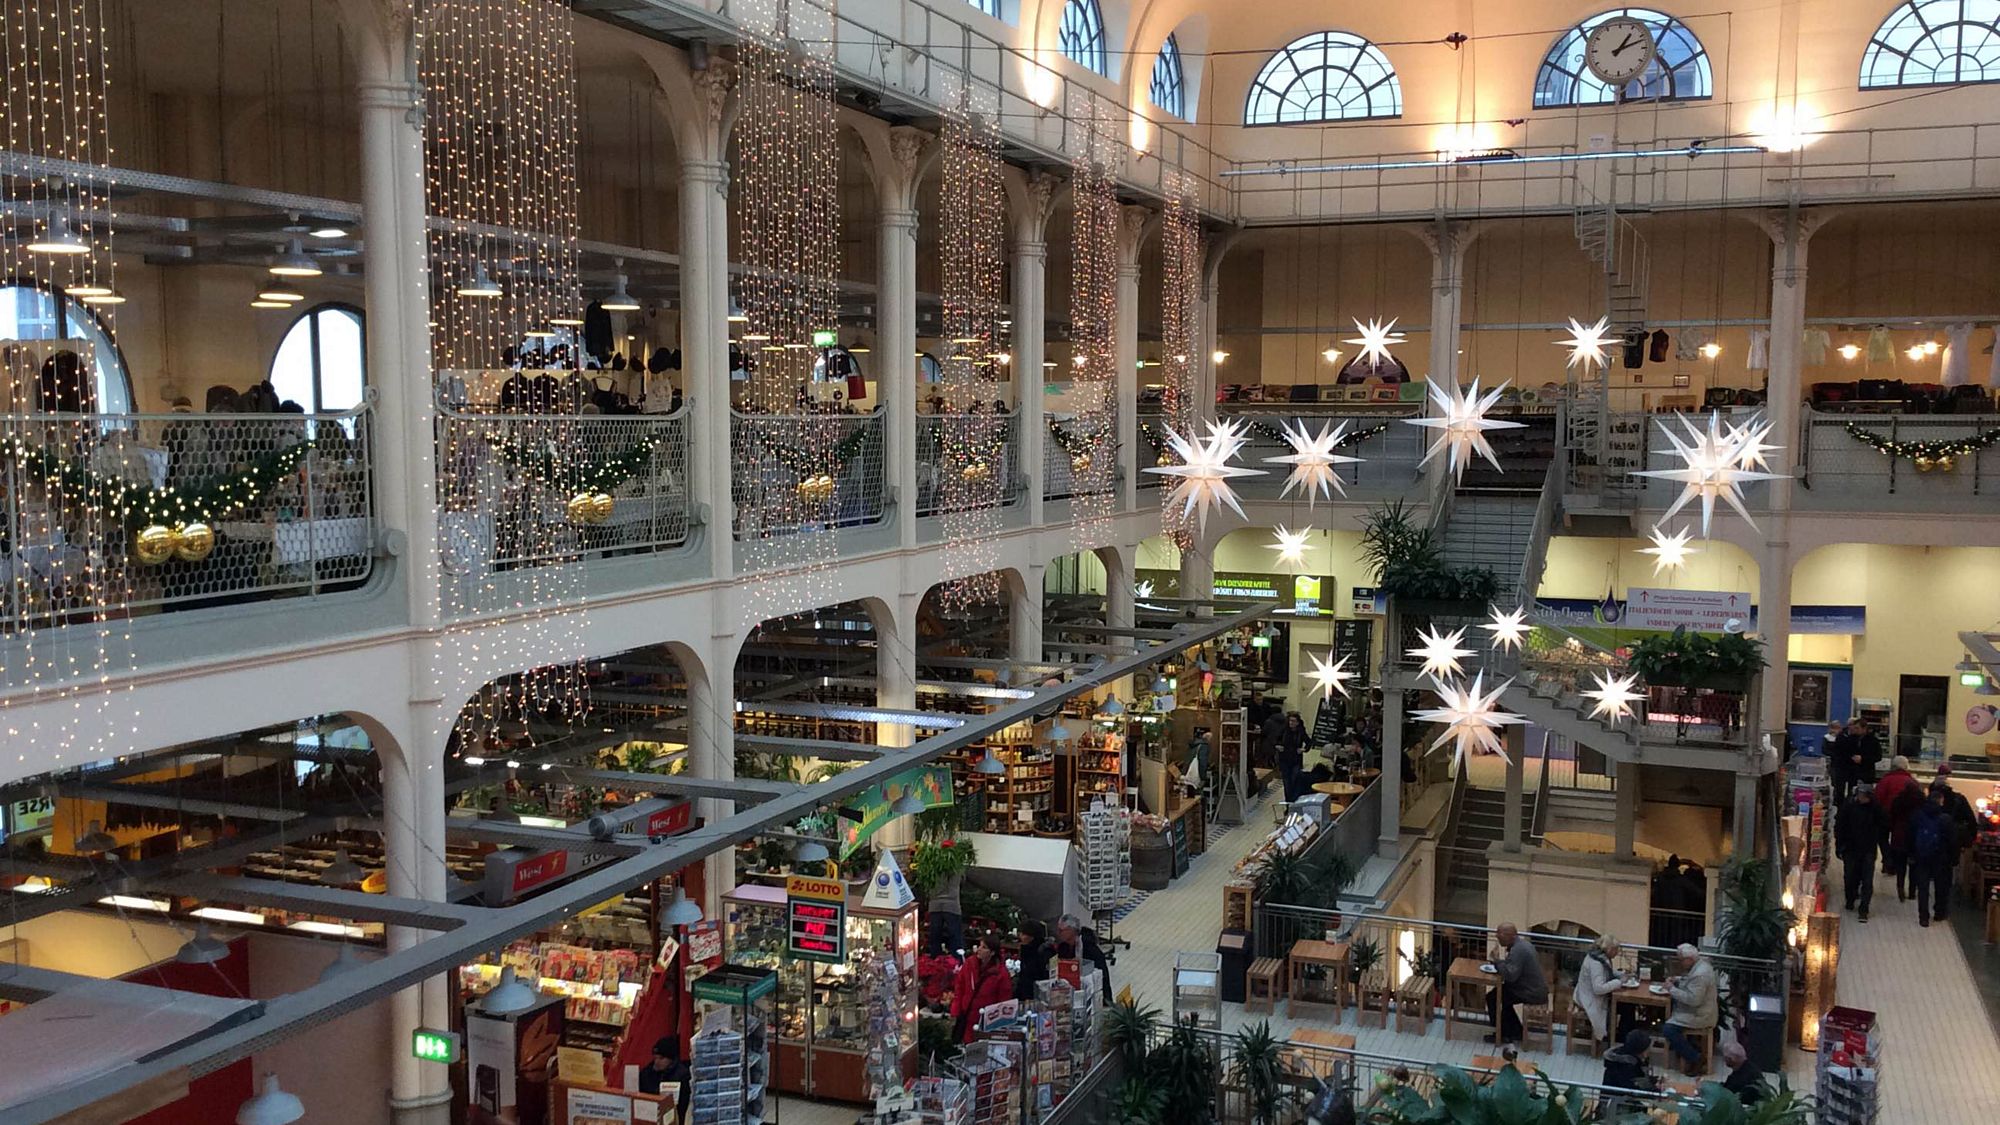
x: 1956, y: 370
x: 1657, y: 352
x: 1813, y: 345
x: 1880, y: 348
x: 1759, y: 356
x: 1635, y: 348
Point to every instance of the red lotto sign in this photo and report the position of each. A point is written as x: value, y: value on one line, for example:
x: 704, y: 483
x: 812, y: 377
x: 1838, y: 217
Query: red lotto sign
x: 818, y: 929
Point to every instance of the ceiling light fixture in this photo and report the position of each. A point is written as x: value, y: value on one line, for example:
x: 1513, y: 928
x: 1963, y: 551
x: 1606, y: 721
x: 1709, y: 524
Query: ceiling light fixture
x: 1312, y: 460
x: 1670, y: 551
x: 620, y: 300
x: 990, y: 765
x: 95, y: 839
x: 509, y: 996
x: 113, y: 298
x: 680, y: 912
x: 204, y: 948
x: 294, y: 263
x: 343, y: 961
x: 1462, y: 424
x: 1850, y: 352
x: 810, y: 852
x: 62, y: 239
x: 328, y: 232
x: 1589, y: 345
x: 480, y: 285
x: 270, y: 1106
x: 1508, y: 629
x: 260, y: 304
x: 279, y: 293
x: 91, y: 289
x: 343, y: 871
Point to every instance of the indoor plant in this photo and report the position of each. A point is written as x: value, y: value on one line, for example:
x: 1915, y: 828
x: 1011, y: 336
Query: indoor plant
x: 1127, y: 1028
x: 1184, y: 1068
x: 1257, y: 1067
x: 1750, y: 922
x: 1684, y: 659
x: 1409, y: 562
x: 1363, y: 955
x: 934, y: 861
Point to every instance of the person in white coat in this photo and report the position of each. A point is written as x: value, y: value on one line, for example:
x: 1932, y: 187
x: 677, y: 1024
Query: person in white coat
x: 1595, y: 982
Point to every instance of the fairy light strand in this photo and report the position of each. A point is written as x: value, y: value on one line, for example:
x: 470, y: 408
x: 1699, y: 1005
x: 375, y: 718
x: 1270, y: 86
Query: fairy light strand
x: 1097, y: 160
x: 1180, y: 260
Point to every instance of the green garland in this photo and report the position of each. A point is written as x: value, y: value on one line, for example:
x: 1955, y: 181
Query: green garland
x: 139, y: 505
x: 1157, y: 438
x: 604, y: 476
x: 1941, y: 451
x: 806, y: 464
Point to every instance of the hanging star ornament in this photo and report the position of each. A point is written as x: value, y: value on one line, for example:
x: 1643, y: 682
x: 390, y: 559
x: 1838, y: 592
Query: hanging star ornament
x: 1508, y: 629
x: 1752, y: 450
x: 1613, y: 698
x: 1462, y: 424
x: 1312, y: 460
x: 1588, y: 344
x: 1711, y: 468
x: 1670, y: 552
x: 1329, y: 678
x: 1471, y: 716
x: 1440, y: 652
x: 1375, y: 340
x: 1291, y: 546
x: 1205, y: 471
x: 1143, y: 589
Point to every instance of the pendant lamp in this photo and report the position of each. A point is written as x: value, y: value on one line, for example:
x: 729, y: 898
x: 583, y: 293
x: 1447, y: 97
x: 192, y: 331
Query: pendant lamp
x: 62, y: 239
x: 343, y: 871
x: 906, y: 805
x: 342, y: 962
x: 509, y: 996
x: 294, y: 263
x: 95, y: 840
x: 204, y: 948
x: 681, y: 911
x: 270, y: 1106
x: 810, y: 851
x: 990, y: 765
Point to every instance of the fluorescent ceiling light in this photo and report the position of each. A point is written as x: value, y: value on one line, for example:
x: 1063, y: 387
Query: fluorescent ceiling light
x: 225, y: 914
x: 135, y: 902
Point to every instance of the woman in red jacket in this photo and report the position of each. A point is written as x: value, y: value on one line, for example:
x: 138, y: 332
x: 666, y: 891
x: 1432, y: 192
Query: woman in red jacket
x: 981, y: 982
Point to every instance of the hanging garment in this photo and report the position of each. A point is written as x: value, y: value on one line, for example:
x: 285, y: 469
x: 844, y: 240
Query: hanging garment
x: 1657, y: 352
x: 1880, y: 348
x: 1993, y: 370
x: 1956, y: 371
x: 1813, y: 345
x: 597, y: 330
x: 1759, y: 355
x: 1635, y: 348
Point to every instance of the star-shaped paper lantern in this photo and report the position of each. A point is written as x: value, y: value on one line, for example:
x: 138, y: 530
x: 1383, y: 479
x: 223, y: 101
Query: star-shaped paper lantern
x: 1508, y: 629
x: 1440, y: 652
x: 1613, y: 697
x: 1462, y: 424
x: 1375, y: 339
x: 1471, y: 715
x: 1710, y: 469
x: 1752, y: 451
x: 1329, y: 678
x: 1588, y: 344
x: 1670, y: 552
x: 1204, y: 471
x: 1312, y: 460
x: 1291, y: 546
x: 1143, y: 589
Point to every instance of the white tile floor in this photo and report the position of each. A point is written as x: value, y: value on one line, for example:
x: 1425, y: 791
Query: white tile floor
x: 1942, y: 1060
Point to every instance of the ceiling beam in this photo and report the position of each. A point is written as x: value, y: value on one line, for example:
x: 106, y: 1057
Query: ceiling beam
x: 811, y: 748
x: 153, y: 798
x: 308, y: 898
x: 735, y: 789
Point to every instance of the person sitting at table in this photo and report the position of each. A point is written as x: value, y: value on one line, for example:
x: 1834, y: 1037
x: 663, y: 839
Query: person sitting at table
x: 1596, y: 980
x: 1745, y: 1080
x: 1625, y: 1066
x: 1693, y: 996
x: 1521, y: 981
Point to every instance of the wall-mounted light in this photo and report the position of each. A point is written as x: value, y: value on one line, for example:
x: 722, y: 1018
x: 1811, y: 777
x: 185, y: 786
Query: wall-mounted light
x: 1710, y: 350
x: 1849, y: 352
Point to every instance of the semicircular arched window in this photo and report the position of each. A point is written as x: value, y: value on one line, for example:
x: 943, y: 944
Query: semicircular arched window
x: 1326, y: 76
x: 1679, y: 72
x: 1082, y: 35
x: 321, y: 362
x: 1934, y: 43
x: 30, y: 312
x: 1169, y: 86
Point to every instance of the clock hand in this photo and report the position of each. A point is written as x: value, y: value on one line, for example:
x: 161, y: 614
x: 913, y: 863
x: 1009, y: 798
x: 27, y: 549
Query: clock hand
x: 1620, y: 48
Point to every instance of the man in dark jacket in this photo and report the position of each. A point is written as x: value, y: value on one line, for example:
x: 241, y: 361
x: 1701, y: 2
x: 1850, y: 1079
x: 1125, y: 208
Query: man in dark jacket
x: 1857, y: 835
x: 1076, y: 941
x: 1864, y: 751
x: 1933, y: 855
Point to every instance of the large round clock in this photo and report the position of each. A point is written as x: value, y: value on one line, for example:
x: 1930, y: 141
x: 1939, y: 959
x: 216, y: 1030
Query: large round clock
x: 1619, y: 50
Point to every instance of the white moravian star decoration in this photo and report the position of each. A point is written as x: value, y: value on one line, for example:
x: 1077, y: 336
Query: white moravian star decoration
x: 1204, y: 471
x: 1143, y: 589
x: 1312, y: 460
x: 1753, y: 452
x: 1670, y: 551
x: 1711, y: 469
x: 1588, y: 344
x: 1471, y: 716
x: 1375, y: 339
x: 1613, y: 697
x: 1329, y: 678
x: 1462, y: 424
x: 1440, y: 652
x: 1508, y: 629
x: 1291, y: 545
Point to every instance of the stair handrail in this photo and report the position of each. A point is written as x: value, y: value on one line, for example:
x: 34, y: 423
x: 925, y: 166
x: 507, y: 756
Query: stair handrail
x: 1535, y: 558
x: 1538, y: 823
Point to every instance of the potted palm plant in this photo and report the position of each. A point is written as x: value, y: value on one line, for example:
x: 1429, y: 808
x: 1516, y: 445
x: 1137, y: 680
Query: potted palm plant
x: 1257, y: 1069
x: 1697, y: 660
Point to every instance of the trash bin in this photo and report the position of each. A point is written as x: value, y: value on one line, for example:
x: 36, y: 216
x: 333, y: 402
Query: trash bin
x: 1234, y: 947
x: 1764, y: 1032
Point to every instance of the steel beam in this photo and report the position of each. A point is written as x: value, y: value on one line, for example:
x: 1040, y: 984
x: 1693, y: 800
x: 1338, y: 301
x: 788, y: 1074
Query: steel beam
x: 151, y: 798
x: 931, y: 720
x: 738, y: 789
x: 811, y: 748
x: 335, y: 902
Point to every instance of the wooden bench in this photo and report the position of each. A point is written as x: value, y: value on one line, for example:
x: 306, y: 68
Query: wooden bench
x: 1413, y: 1004
x: 1265, y: 985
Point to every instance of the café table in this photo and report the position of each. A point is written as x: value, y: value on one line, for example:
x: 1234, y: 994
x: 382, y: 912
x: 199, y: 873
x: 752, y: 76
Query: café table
x: 1338, y: 789
x: 1331, y: 958
x: 1329, y: 1053
x: 1465, y: 978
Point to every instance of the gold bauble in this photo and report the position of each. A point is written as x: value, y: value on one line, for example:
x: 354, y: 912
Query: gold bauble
x: 975, y: 472
x: 1945, y: 463
x: 194, y: 542
x: 1164, y: 459
x: 1080, y: 463
x: 155, y: 545
x: 601, y: 504
x: 1925, y: 464
x: 578, y: 508
x: 823, y: 487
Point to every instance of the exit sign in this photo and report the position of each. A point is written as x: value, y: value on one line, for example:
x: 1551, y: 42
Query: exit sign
x: 432, y: 1045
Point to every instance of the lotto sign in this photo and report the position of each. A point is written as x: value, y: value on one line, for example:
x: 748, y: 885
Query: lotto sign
x: 816, y: 915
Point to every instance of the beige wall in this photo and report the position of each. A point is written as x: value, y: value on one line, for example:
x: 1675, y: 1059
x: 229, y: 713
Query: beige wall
x: 1585, y: 566
x: 94, y: 945
x: 1540, y: 886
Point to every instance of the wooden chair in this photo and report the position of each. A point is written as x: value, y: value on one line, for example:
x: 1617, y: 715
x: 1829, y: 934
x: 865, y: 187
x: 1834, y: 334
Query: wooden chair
x: 1265, y: 985
x: 1537, y: 1022
x: 1372, y: 998
x: 1704, y: 1041
x: 1413, y: 1005
x: 1581, y: 1037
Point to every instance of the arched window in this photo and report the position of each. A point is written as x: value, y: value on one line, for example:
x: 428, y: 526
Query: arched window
x: 1934, y: 43
x: 30, y: 312
x: 990, y: 7
x: 320, y: 363
x: 1679, y: 71
x: 1082, y: 36
x: 1329, y: 76
x: 1169, y: 89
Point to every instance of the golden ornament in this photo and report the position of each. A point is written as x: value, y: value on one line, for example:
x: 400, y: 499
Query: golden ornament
x: 578, y: 508
x: 194, y: 542
x: 155, y: 545
x: 1164, y: 459
x: 601, y: 504
x: 1080, y: 463
x: 976, y: 472
x: 1925, y: 464
x: 1945, y: 463
x: 816, y: 489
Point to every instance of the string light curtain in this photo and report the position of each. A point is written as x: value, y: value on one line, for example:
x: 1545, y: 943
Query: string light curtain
x: 973, y: 465
x: 500, y: 159
x: 1181, y: 264
x: 787, y: 206
x: 67, y: 602
x: 1097, y: 158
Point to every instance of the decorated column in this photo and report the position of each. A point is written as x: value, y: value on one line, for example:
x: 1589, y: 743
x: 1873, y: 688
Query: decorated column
x: 1032, y: 199
x: 898, y: 156
x: 1392, y: 780
x: 1133, y: 225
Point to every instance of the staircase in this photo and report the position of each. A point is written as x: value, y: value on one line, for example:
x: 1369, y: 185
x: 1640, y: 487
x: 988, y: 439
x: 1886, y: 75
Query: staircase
x: 1481, y: 823
x: 1493, y: 530
x: 1620, y: 251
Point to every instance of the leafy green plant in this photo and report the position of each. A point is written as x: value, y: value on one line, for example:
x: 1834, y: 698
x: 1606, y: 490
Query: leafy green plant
x: 1363, y: 954
x: 1682, y: 657
x: 1751, y: 922
x: 1409, y: 563
x: 859, y: 865
x: 934, y: 861
x: 1291, y: 880
x: 934, y: 1039
x: 1127, y: 1029
x: 1138, y: 1102
x: 1715, y: 1104
x: 1506, y: 1100
x: 1184, y: 1068
x: 1256, y: 1066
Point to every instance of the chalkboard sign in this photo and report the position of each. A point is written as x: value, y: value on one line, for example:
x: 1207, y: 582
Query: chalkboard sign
x: 1354, y: 638
x: 1329, y: 723
x: 1178, y: 828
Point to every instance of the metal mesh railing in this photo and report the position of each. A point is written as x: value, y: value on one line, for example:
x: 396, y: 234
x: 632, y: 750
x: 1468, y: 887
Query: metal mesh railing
x: 1842, y: 471
x: 1389, y: 456
x: 519, y: 490
x: 177, y: 511
x: 805, y: 472
x: 1003, y: 431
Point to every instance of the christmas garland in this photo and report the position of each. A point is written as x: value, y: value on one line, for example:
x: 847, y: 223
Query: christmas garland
x: 604, y: 476
x: 1071, y: 443
x: 806, y: 464
x: 1156, y: 438
x: 138, y: 506
x: 1928, y: 455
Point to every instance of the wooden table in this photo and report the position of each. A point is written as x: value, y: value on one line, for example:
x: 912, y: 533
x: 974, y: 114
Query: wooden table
x: 1338, y: 788
x: 1640, y: 997
x: 1328, y: 955
x: 1364, y: 776
x: 1464, y: 975
x: 1322, y: 1059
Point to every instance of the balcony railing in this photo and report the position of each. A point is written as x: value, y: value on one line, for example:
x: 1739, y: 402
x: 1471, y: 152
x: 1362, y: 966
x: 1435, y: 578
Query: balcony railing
x: 530, y: 490
x: 806, y: 472
x: 120, y: 513
x: 1843, y: 472
x: 1389, y: 454
x: 1002, y: 432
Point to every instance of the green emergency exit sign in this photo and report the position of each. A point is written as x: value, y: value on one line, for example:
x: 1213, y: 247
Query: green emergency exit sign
x: 432, y: 1045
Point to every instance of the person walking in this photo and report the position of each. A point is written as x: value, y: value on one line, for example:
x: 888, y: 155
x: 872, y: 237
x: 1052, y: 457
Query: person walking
x: 1520, y: 981
x: 1596, y: 980
x: 1933, y: 855
x: 1898, y: 796
x: 982, y: 982
x: 1835, y: 749
x: 947, y: 911
x: 1694, y: 1008
x: 1857, y: 838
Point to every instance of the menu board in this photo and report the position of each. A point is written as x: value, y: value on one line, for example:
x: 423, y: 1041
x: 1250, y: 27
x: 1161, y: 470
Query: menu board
x: 1178, y: 832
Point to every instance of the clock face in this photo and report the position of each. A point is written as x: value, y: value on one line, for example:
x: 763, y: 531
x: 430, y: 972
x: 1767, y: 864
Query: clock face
x: 1619, y: 50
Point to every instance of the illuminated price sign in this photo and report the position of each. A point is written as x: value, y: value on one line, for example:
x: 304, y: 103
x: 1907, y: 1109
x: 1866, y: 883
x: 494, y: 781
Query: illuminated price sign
x: 816, y: 911
x: 432, y: 1045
